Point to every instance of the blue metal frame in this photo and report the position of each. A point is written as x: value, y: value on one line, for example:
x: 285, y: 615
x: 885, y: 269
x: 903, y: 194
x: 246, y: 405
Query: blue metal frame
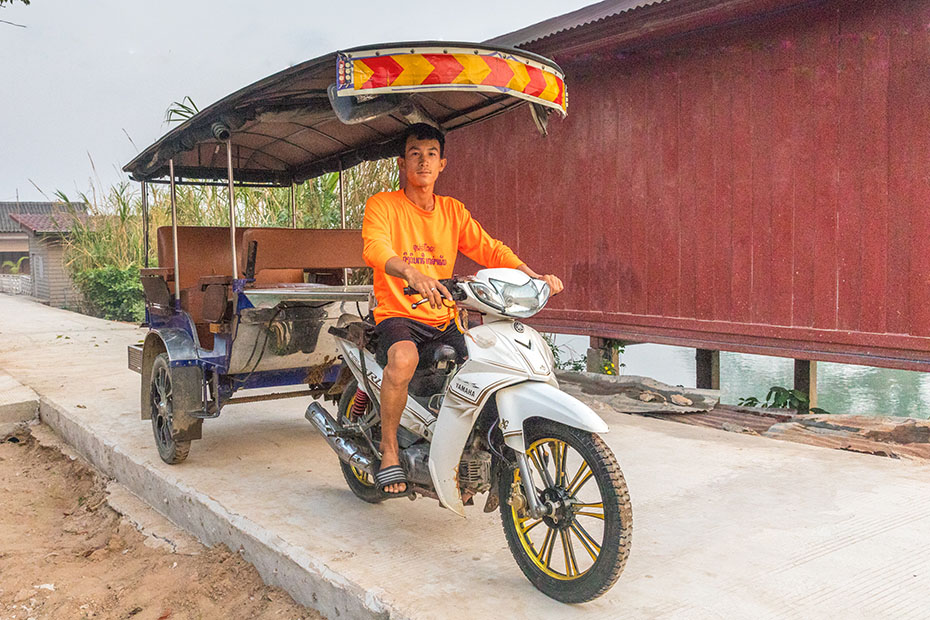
x: 217, y: 359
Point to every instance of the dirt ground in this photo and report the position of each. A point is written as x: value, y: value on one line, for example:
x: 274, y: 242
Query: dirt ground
x: 64, y: 553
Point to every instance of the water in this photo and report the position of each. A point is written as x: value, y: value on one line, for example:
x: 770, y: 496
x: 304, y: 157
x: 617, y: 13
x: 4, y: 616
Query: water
x: 841, y: 388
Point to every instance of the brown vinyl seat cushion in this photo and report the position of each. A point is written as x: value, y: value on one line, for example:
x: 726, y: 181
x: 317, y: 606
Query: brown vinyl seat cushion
x: 202, y: 251
x: 283, y: 253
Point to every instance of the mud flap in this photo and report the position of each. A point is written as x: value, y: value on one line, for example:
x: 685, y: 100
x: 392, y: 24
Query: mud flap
x: 187, y: 398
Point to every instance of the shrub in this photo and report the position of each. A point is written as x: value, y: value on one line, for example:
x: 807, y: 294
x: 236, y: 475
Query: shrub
x: 564, y: 358
x: 113, y: 293
x: 782, y: 398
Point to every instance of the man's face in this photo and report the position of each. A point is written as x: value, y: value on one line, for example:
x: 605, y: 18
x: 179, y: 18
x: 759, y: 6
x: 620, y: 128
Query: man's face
x: 421, y: 163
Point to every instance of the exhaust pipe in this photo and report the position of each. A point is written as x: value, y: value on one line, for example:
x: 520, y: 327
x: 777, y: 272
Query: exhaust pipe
x: 345, y: 449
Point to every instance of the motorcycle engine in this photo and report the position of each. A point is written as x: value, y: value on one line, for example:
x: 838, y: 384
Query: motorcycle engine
x: 475, y: 471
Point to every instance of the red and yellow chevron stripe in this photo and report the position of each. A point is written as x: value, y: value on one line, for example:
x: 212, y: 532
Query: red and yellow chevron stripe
x: 418, y: 70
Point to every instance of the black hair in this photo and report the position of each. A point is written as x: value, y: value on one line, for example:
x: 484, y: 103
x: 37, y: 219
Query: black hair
x: 422, y: 131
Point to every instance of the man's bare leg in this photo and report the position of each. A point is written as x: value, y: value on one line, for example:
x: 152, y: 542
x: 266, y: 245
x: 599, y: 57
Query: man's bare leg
x: 402, y: 362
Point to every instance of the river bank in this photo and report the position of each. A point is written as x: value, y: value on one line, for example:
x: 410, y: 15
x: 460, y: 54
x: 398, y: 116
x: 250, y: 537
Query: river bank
x: 842, y: 388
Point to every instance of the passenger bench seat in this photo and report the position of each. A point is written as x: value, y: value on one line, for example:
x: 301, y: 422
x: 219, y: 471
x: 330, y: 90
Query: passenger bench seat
x: 204, y: 251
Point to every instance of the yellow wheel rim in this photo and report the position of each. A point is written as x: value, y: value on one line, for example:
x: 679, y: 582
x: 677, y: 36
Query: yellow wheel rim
x: 361, y: 476
x: 566, y: 550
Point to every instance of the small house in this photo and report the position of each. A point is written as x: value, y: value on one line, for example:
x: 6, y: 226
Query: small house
x: 14, y: 242
x: 51, y: 282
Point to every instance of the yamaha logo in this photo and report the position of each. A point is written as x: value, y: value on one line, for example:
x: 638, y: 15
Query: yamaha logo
x: 467, y: 388
x: 518, y: 327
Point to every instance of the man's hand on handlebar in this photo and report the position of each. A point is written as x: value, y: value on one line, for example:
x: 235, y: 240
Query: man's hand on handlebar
x: 430, y: 288
x: 555, y: 284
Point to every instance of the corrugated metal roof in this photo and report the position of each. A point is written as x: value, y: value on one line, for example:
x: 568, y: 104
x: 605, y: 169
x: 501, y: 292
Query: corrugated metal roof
x: 6, y: 208
x: 284, y: 128
x: 57, y: 222
x: 561, y: 23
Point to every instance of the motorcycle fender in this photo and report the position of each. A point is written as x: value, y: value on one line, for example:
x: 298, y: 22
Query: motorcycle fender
x: 176, y: 343
x: 187, y: 381
x: 541, y: 400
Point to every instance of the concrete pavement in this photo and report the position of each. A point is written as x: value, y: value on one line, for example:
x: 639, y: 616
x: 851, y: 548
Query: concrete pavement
x: 725, y: 525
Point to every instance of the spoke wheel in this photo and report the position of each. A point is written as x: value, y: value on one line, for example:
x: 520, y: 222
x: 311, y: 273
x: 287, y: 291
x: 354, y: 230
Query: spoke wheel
x: 360, y: 482
x: 577, y: 553
x: 170, y: 450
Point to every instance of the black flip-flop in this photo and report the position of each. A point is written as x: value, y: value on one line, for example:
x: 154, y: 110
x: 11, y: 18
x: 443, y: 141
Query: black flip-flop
x: 392, y: 475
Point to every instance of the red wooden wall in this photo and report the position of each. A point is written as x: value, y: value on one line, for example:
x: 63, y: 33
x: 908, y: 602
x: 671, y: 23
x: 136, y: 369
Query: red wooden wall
x: 762, y: 187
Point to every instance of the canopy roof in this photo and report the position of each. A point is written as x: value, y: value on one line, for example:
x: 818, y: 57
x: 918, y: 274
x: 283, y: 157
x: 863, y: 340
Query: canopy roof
x: 337, y: 110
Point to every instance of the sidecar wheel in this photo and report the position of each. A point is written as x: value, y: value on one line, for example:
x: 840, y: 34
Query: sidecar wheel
x: 170, y: 450
x: 361, y: 484
x: 578, y: 555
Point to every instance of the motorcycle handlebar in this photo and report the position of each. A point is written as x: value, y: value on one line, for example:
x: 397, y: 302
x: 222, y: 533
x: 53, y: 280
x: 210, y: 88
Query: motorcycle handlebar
x: 449, y: 283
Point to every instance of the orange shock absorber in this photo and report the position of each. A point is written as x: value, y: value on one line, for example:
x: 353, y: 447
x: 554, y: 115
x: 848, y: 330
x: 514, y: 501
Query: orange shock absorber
x: 358, y: 407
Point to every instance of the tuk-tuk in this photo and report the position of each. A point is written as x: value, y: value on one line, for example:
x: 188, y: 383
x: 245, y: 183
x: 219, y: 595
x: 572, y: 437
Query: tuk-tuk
x: 232, y: 308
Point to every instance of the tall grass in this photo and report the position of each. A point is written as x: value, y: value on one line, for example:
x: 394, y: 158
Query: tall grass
x: 112, y: 235
x: 106, y: 249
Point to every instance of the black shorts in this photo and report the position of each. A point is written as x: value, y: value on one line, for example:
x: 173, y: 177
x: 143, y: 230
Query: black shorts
x: 397, y: 329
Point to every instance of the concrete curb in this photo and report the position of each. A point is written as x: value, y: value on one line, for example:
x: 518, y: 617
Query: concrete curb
x: 18, y: 404
x: 308, y: 580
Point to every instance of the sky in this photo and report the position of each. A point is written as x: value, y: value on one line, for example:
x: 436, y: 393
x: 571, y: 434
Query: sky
x: 85, y: 85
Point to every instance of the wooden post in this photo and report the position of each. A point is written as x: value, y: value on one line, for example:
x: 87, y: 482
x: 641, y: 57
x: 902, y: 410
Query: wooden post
x: 708, y: 369
x: 805, y: 379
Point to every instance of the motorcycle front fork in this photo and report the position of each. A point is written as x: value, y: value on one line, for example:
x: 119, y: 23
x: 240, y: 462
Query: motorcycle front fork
x: 527, y: 498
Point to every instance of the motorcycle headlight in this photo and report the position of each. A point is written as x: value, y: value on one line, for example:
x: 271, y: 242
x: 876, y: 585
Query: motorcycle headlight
x: 486, y: 294
x: 521, y: 300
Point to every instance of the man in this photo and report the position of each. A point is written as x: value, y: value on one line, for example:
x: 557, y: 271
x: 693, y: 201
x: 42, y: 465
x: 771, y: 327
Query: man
x: 412, y: 237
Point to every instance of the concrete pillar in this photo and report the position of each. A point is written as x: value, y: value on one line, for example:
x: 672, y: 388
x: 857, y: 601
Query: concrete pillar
x: 805, y: 379
x: 599, y: 354
x: 708, y: 369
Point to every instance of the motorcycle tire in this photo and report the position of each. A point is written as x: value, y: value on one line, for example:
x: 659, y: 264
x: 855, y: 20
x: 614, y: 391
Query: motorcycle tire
x: 161, y: 402
x: 361, y: 484
x: 595, y: 518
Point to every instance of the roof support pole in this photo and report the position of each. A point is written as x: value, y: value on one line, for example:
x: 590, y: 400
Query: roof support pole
x: 342, y: 196
x: 174, y: 233
x: 145, y: 224
x: 232, y: 208
x: 293, y: 207
x: 342, y: 215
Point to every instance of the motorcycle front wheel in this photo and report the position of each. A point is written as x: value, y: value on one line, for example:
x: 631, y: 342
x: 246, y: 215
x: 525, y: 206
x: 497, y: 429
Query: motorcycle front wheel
x: 578, y: 553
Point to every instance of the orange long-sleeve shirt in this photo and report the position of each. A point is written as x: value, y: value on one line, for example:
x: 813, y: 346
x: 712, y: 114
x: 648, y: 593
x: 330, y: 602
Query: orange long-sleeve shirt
x: 428, y: 240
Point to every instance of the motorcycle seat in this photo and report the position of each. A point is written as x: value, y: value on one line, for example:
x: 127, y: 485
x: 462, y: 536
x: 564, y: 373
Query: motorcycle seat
x: 436, y: 357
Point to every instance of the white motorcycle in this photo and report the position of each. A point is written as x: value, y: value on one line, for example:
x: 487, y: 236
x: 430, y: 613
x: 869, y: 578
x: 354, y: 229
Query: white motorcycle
x: 497, y: 424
